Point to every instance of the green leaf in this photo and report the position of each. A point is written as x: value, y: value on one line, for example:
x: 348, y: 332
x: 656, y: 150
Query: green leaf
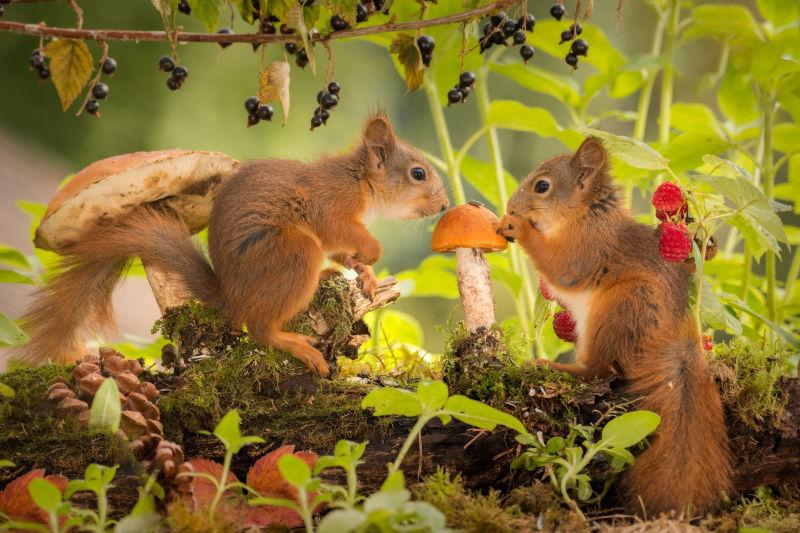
x: 481, y: 176
x: 13, y: 257
x: 686, y: 150
x: 106, y: 409
x: 5, y: 463
x: 70, y: 68
x: 342, y: 521
x: 480, y: 415
x: 432, y: 395
x: 396, y: 326
x: 630, y: 428
x: 392, y: 401
x: 503, y: 271
x: 245, y: 9
x: 716, y: 315
x: 394, y: 481
x: 562, y: 88
x: 554, y: 444
x: 229, y: 433
x: 602, y: 54
x: 386, y: 500
x: 207, y: 12
x: 294, y: 470
x: 737, y: 98
x: 434, y: 276
x: 404, y: 47
x: 786, y: 138
x: 45, y: 494
x: 6, y: 392
x: 630, y: 151
x: 722, y: 20
x: 622, y: 455
x: 10, y: 276
x: 10, y: 334
x: 344, y: 8
x: 512, y: 115
x: 694, y: 117
x: 778, y: 12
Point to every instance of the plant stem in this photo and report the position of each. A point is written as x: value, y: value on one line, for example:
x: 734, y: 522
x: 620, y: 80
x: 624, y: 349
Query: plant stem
x: 646, y: 93
x: 443, y: 136
x: 791, y: 279
x: 412, y: 436
x: 769, y: 191
x: 352, y: 483
x: 668, y: 72
x: 699, y: 298
x: 305, y: 511
x: 226, y: 468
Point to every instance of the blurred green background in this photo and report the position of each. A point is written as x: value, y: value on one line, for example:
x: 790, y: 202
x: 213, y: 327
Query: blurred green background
x: 39, y: 143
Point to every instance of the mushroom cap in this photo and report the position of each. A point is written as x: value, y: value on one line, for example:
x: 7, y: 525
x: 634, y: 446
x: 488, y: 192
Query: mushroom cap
x: 183, y: 180
x: 467, y: 226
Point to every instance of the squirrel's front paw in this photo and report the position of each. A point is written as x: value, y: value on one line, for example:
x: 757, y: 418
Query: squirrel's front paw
x: 367, y: 281
x: 510, y: 227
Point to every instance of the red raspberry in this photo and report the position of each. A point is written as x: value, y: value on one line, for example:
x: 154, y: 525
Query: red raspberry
x: 544, y: 288
x: 708, y: 343
x: 564, y: 326
x: 668, y: 199
x: 674, y: 244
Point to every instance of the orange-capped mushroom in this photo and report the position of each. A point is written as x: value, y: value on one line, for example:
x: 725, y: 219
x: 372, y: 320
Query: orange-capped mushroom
x: 469, y: 231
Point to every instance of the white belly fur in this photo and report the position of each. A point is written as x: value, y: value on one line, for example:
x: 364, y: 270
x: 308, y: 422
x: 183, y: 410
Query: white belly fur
x: 577, y: 303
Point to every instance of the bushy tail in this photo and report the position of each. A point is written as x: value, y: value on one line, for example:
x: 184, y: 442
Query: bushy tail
x: 77, y: 301
x: 687, y: 468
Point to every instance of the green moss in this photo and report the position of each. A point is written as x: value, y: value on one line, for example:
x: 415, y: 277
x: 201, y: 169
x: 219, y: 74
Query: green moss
x: 33, y: 436
x: 748, y: 375
x: 492, y: 512
x: 777, y: 512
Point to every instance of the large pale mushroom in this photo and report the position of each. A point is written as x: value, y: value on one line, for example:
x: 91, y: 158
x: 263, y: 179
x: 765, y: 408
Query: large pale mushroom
x: 182, y: 180
x: 468, y: 230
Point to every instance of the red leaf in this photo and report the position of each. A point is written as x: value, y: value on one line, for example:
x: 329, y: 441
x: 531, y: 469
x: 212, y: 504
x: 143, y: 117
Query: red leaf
x: 16, y: 502
x: 262, y: 516
x: 203, y: 490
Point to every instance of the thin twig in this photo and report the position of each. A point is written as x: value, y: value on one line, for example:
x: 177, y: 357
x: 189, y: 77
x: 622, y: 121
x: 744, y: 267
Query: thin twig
x: 144, y: 35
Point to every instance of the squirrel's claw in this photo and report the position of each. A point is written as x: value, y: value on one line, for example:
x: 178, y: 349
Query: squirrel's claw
x: 367, y: 281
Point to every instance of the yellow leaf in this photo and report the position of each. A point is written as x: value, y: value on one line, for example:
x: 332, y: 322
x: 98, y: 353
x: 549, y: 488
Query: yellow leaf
x: 408, y: 56
x: 295, y: 20
x: 274, y: 85
x: 70, y: 67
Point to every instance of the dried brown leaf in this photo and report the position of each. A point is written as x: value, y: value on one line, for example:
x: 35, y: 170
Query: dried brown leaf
x: 296, y: 20
x: 70, y: 67
x: 408, y: 55
x: 274, y: 85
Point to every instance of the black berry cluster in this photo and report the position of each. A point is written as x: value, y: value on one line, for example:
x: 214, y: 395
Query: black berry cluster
x: 462, y: 89
x: 256, y: 111
x: 178, y: 74
x: 100, y: 89
x: 39, y: 64
x: 579, y: 47
x: 184, y: 7
x: 500, y: 28
x: 426, y: 44
x: 363, y: 11
x: 327, y: 99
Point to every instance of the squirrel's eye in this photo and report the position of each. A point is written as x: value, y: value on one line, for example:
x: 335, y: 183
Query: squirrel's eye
x: 418, y: 173
x: 541, y: 186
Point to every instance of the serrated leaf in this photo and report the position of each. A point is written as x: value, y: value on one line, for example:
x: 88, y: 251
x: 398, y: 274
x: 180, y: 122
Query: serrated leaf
x: 407, y: 53
x: 207, y: 12
x: 70, y: 68
x: 630, y: 151
x: 106, y: 408
x: 10, y: 334
x: 274, y: 86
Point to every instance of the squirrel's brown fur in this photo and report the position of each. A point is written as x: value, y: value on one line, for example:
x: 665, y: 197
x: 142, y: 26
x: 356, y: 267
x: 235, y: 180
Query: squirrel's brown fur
x: 272, y: 225
x: 630, y: 308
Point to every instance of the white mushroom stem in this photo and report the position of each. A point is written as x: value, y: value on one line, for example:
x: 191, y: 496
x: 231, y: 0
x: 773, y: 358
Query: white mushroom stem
x: 475, y: 287
x: 167, y: 288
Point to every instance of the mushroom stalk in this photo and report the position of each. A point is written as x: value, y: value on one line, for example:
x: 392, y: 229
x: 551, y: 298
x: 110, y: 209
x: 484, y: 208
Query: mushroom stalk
x: 168, y: 289
x: 475, y: 287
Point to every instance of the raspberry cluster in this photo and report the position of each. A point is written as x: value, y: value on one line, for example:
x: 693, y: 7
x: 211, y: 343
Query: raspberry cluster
x: 327, y: 99
x: 564, y: 326
x: 178, y: 73
x: 100, y: 89
x: 500, y: 28
x: 462, y: 89
x: 669, y: 202
x: 674, y: 244
x: 256, y: 111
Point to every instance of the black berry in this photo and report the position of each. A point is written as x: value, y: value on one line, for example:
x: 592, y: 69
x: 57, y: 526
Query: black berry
x: 566, y: 36
x: 109, y: 66
x: 265, y: 112
x: 557, y: 11
x: 302, y: 58
x: 180, y: 73
x: 316, y: 122
x: 334, y: 88
x: 286, y: 30
x: 426, y: 43
x: 43, y: 72
x: 100, y: 91
x: 571, y: 60
x: 37, y: 60
x: 319, y: 96
x: 526, y: 51
x: 465, y: 92
x: 520, y: 37
x: 290, y: 48
x: 328, y: 100
x: 183, y: 7
x: 426, y: 57
x: 509, y: 28
x: 252, y: 119
x: 580, y: 47
x: 268, y: 27
x: 498, y: 18
x: 92, y: 107
x: 576, y: 28
x: 324, y: 114
x: 467, y: 79
x: 378, y: 4
x: 454, y: 96
x: 251, y: 104
x: 361, y: 13
x: 225, y: 31
x: 166, y: 64
x: 174, y: 83
x: 528, y: 21
x: 338, y: 23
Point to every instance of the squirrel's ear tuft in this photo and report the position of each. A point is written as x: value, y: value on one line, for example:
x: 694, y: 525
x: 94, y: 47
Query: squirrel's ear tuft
x: 589, y: 160
x: 379, y: 136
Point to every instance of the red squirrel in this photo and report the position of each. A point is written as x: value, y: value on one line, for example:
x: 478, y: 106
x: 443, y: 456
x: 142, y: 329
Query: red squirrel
x: 273, y: 224
x: 631, y: 311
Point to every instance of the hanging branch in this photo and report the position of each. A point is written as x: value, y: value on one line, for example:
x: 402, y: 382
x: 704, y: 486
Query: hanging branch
x: 252, y: 38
